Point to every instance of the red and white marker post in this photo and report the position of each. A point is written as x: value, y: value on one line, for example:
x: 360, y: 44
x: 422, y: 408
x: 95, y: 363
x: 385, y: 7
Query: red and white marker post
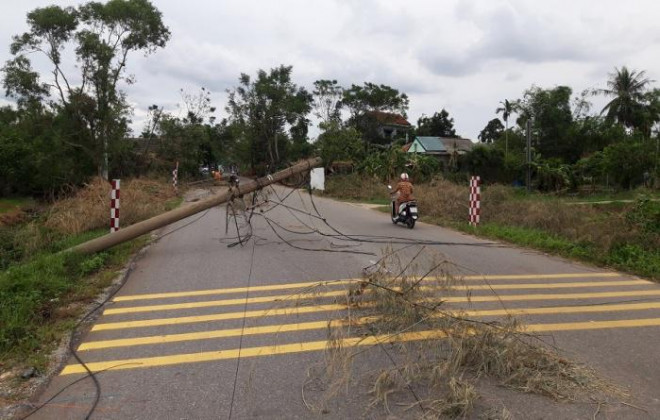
x: 114, y: 206
x: 175, y: 178
x: 475, y: 200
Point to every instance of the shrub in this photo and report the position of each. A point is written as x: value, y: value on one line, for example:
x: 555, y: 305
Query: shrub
x: 90, y: 207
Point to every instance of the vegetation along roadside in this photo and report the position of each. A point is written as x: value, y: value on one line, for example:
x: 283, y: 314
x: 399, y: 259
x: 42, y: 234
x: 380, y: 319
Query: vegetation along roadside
x: 624, y: 235
x: 45, y: 292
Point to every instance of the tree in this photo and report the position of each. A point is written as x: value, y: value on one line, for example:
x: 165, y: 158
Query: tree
x: 104, y: 35
x: 339, y: 144
x: 327, y: 102
x: 439, y: 125
x: 629, y: 89
x: 372, y: 97
x: 266, y: 113
x: 492, y: 131
x: 506, y: 109
x: 627, y: 161
x: 487, y: 162
x: 550, y: 111
x: 371, y: 106
x: 198, y: 106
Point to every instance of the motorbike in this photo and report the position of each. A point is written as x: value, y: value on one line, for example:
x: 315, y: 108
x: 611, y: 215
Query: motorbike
x: 407, y: 211
x: 233, y: 180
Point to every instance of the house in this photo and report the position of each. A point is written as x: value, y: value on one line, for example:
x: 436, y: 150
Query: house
x: 445, y: 149
x: 390, y: 125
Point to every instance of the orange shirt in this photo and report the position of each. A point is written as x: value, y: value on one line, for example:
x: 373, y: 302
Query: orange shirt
x: 405, y: 190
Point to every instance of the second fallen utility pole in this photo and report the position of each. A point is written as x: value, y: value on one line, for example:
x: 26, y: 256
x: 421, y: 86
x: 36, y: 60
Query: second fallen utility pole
x: 146, y: 226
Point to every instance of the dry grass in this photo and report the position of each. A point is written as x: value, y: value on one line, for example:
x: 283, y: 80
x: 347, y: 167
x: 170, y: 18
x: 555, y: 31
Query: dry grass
x: 442, y: 374
x: 621, y: 235
x: 89, y: 208
x: 447, y: 202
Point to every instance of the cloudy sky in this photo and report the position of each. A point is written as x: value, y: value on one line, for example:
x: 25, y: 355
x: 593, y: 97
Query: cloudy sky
x: 461, y: 55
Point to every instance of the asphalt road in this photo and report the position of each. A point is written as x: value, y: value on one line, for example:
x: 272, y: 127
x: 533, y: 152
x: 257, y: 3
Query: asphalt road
x: 168, y: 345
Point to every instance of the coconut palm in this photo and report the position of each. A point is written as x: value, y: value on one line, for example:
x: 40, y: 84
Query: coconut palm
x: 629, y: 90
x: 506, y: 109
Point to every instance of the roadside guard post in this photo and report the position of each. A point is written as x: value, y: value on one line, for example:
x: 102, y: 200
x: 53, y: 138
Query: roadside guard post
x: 114, y: 206
x: 475, y: 200
x: 175, y: 178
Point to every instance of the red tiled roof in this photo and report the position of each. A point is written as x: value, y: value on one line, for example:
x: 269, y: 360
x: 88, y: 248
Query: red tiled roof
x: 389, y: 118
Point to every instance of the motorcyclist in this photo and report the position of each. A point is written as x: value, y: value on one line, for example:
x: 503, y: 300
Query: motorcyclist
x: 405, y: 189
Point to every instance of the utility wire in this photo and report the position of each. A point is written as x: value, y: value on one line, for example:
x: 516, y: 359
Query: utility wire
x: 240, y: 343
x: 88, y: 315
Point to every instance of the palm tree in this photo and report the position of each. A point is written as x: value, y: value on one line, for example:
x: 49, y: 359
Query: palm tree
x: 506, y: 109
x: 629, y: 91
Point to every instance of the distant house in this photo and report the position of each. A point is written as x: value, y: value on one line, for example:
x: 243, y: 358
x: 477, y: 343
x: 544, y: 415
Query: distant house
x: 445, y: 149
x: 390, y: 125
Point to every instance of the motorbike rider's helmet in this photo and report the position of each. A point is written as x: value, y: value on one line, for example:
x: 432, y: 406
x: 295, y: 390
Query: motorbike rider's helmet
x: 404, y: 177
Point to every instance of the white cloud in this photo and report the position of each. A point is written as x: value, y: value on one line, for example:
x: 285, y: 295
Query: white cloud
x: 463, y: 55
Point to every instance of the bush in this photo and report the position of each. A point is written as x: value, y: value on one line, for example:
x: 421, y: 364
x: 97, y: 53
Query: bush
x: 89, y: 208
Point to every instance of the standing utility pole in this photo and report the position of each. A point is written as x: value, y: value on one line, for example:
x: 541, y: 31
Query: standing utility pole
x: 529, y: 155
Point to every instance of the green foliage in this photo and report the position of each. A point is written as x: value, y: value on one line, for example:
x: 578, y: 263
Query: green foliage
x: 38, y: 155
x: 386, y: 164
x: 487, y: 162
x: 507, y: 109
x: 372, y: 107
x: 93, y: 264
x: 31, y: 293
x: 95, y: 110
x: 340, y: 144
x: 492, y: 131
x: 439, y: 125
x: 266, y: 114
x: 550, y: 111
x: 552, y: 175
x: 373, y: 97
x: 626, y: 161
x: 632, y: 105
x: 635, y: 258
x: 422, y: 168
x: 22, y: 83
x: 327, y: 102
x: 645, y: 216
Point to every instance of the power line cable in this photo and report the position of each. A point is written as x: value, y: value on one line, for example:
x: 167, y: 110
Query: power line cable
x: 240, y: 343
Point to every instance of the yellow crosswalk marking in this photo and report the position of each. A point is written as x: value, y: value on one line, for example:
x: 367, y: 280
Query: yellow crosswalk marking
x: 558, y: 285
x: 288, y: 286
x: 294, y: 310
x: 223, y: 302
x: 313, y: 325
x: 292, y: 348
x: 233, y: 332
x: 337, y: 293
x: 265, y: 288
x: 554, y: 296
x: 564, y: 309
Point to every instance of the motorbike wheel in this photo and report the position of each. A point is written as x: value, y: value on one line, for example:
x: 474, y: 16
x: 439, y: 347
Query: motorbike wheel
x: 410, y: 223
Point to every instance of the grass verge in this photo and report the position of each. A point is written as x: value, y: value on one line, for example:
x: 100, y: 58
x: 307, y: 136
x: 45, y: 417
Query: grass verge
x: 45, y: 292
x: 43, y: 298
x: 624, y: 235
x: 627, y: 257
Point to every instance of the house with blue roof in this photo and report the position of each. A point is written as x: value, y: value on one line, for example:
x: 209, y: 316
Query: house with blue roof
x: 445, y: 149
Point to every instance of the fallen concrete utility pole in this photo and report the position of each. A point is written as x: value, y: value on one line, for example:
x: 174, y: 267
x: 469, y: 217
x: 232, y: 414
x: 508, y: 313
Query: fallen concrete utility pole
x: 146, y: 226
